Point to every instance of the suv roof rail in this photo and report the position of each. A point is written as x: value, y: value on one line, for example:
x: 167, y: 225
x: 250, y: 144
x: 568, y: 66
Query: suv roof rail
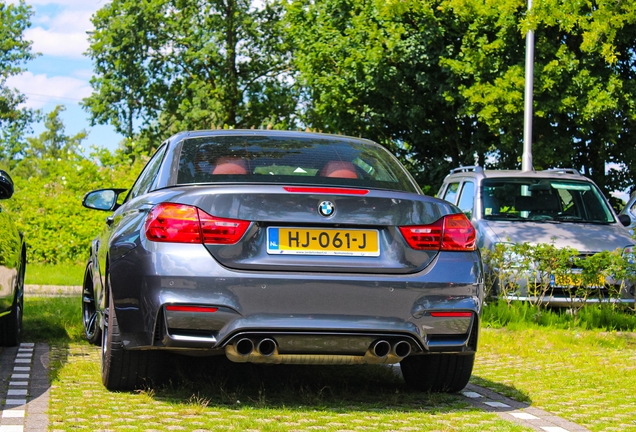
x: 474, y: 168
x: 565, y: 170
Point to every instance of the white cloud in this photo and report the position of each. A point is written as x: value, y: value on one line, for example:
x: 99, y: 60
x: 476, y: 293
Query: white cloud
x: 85, y: 74
x: 56, y: 43
x: 71, y: 21
x: 41, y: 89
x: 83, y: 4
x: 63, y: 35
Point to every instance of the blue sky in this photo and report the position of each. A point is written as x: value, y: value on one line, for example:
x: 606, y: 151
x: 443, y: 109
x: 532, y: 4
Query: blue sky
x: 61, y: 74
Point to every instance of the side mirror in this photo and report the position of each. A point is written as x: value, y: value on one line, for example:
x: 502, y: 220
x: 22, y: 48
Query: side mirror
x: 6, y: 185
x: 102, y: 199
x: 624, y: 219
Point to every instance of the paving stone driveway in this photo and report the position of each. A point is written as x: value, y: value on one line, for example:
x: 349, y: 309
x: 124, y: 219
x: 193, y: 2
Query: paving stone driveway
x: 24, y: 390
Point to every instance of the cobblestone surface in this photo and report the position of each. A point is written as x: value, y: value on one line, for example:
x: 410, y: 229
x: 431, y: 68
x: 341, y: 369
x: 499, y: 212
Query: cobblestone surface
x: 24, y: 388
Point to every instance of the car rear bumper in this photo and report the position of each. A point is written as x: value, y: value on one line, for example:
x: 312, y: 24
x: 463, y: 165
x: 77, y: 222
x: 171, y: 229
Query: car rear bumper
x: 306, y: 314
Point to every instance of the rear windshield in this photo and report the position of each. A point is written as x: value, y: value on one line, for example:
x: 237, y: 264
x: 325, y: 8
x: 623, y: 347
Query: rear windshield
x: 290, y: 160
x: 543, y: 200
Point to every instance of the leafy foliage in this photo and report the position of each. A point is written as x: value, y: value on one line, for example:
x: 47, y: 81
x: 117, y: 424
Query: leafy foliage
x: 189, y: 64
x: 442, y: 81
x: 49, y: 185
x: 14, y: 51
x: 535, y: 269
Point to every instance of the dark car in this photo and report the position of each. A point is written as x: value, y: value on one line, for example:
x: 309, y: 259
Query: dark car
x: 628, y: 213
x: 282, y: 247
x: 12, y: 268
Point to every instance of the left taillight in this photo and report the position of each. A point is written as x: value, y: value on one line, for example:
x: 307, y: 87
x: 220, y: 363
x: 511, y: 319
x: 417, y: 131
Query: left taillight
x: 450, y: 233
x: 179, y: 223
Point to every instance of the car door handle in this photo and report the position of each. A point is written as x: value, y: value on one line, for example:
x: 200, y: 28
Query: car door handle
x: 110, y: 220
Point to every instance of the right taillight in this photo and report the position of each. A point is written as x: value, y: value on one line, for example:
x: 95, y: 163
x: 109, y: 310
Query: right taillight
x: 221, y: 231
x: 449, y: 233
x: 180, y: 223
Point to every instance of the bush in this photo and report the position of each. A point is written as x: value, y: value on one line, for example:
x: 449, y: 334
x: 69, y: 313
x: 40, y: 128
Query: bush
x: 530, y: 271
x: 48, y: 203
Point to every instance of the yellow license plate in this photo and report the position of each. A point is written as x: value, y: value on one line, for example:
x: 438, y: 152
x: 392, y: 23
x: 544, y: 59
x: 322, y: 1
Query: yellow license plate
x: 323, y: 241
x: 574, y: 280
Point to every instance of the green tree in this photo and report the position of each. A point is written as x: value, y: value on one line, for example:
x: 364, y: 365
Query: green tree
x: 584, y: 88
x: 442, y: 81
x: 14, y: 51
x: 374, y: 69
x: 50, y: 181
x: 168, y: 65
x: 54, y: 142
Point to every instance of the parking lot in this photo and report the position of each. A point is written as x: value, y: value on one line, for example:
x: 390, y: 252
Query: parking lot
x: 523, y: 380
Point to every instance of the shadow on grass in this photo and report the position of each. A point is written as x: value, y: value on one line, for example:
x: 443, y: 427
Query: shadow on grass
x: 206, y: 381
x: 217, y: 381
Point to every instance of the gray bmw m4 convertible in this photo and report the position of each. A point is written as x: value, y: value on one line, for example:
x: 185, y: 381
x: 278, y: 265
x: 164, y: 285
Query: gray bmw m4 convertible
x: 282, y: 248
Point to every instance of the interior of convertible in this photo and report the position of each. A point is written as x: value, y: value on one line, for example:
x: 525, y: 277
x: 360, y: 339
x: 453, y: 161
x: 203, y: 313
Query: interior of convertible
x: 281, y: 159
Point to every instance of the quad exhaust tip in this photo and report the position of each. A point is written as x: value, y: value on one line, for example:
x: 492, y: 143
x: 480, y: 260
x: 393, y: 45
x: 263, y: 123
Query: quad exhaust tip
x: 402, y: 349
x: 381, y: 348
x: 244, y: 346
x: 266, y: 347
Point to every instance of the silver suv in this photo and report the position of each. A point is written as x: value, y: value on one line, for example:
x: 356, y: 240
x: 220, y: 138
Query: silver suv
x: 555, y: 206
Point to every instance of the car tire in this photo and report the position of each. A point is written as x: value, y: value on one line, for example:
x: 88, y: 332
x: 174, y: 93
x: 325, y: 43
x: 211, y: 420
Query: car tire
x: 11, y: 324
x: 447, y: 373
x: 126, y: 369
x: 92, y: 328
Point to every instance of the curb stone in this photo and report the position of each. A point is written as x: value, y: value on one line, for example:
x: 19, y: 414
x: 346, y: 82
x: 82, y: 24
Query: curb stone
x: 513, y: 411
x: 24, y: 388
x: 52, y: 290
x: 517, y: 412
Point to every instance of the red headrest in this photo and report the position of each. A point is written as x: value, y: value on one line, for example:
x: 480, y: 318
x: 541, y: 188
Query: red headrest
x: 339, y: 169
x: 230, y: 165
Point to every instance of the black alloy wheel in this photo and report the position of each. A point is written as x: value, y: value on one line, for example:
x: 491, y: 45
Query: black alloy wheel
x: 92, y: 329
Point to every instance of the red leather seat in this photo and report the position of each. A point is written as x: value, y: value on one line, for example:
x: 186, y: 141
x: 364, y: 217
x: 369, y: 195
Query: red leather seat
x: 230, y: 165
x: 339, y: 169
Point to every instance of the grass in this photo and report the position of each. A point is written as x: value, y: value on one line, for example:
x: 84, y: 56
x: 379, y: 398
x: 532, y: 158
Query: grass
x: 256, y: 398
x: 215, y: 394
x: 585, y: 376
x: 54, y: 320
x: 58, y: 274
x: 520, y: 316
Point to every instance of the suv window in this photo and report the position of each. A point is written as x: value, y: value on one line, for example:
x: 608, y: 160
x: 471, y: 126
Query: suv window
x: 467, y: 198
x: 451, y: 193
x: 543, y: 199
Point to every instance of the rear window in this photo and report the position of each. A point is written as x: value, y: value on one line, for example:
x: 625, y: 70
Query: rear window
x: 543, y: 200
x: 289, y: 160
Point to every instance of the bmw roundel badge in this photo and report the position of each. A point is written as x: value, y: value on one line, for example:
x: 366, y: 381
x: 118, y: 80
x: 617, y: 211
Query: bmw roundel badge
x: 326, y: 208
